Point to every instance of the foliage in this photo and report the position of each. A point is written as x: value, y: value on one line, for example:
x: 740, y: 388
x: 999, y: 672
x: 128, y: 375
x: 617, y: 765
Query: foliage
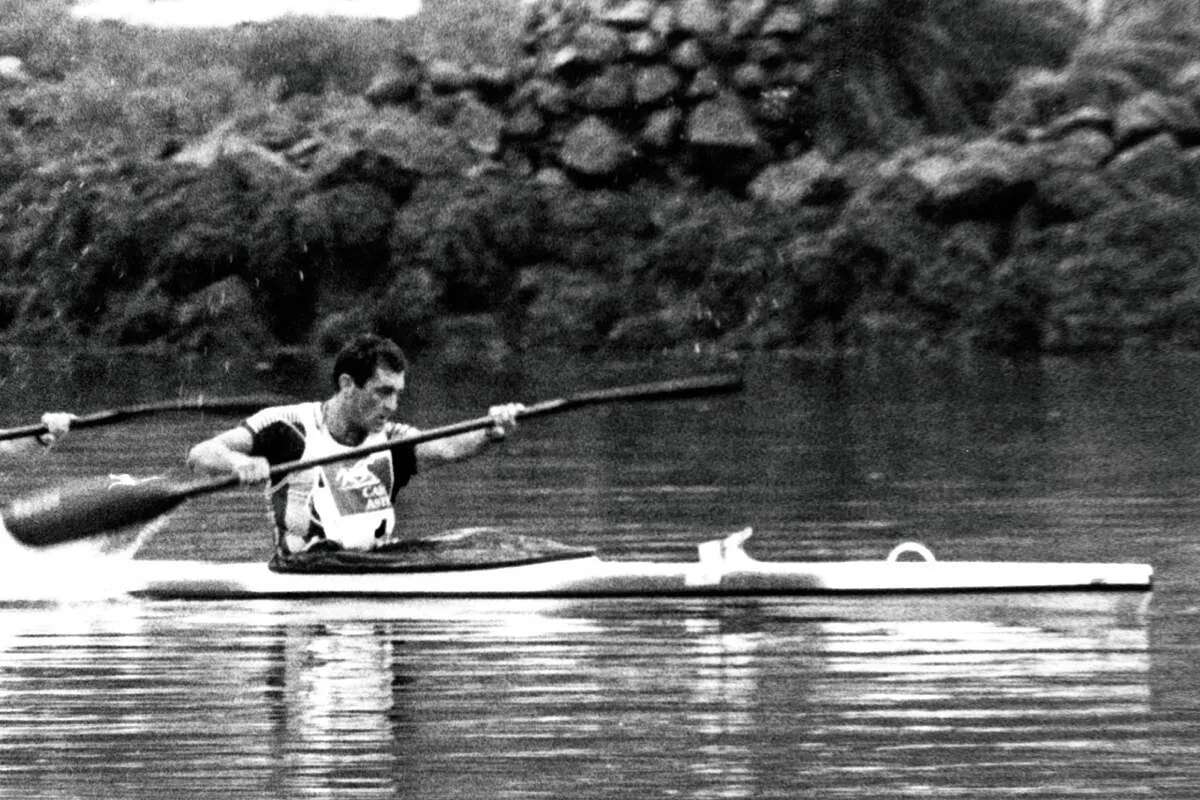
x: 116, y: 243
x: 1119, y: 62
x: 1129, y: 270
x: 1111, y: 64
x: 892, y: 70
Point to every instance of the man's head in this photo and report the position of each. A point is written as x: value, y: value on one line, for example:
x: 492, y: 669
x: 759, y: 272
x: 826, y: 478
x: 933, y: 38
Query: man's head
x: 363, y: 354
x: 369, y: 375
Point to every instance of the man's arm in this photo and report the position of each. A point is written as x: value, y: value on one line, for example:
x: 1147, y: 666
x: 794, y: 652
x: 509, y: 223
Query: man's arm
x: 57, y: 424
x: 466, y: 445
x: 229, y: 452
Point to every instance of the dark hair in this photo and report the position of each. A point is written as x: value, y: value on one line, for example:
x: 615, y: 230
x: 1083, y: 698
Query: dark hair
x: 360, y: 357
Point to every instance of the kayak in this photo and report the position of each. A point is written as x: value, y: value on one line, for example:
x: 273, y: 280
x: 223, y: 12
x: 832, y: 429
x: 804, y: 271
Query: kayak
x: 723, y: 568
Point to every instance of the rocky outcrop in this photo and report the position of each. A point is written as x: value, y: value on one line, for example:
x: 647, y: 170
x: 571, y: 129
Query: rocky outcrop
x: 710, y: 87
x: 683, y: 82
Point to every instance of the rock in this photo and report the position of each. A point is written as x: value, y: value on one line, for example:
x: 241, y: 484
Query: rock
x: 1157, y: 164
x: 592, y: 149
x: 1151, y: 113
x: 396, y: 83
x: 655, y: 85
x: 749, y: 78
x: 1083, y: 148
x: 768, y: 52
x: 723, y: 144
x: 812, y: 178
x: 611, y: 90
x: 303, y: 152
x: 410, y: 142
x: 981, y: 179
x: 1187, y: 81
x: 481, y: 126
x: 1037, y: 96
x: 525, y: 123
x: 1086, y: 117
x: 599, y: 44
x: 795, y: 74
x: 13, y: 72
x: 661, y: 130
x: 688, y: 55
x: 493, y: 83
x: 343, y: 165
x: 722, y: 123
x: 631, y: 14
x: 549, y: 176
x: 700, y: 17
x: 552, y: 98
x: 707, y: 83
x: 785, y: 21
x: 745, y: 16
x: 663, y: 21
x: 1068, y: 195
x: 258, y: 165
x: 645, y: 45
x: 447, y: 77
x: 566, y: 61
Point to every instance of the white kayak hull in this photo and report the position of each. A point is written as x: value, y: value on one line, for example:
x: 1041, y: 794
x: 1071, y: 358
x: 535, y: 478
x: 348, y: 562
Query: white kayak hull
x: 723, y: 569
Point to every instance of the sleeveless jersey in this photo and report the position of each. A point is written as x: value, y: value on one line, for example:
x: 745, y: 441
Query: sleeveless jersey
x: 348, y: 502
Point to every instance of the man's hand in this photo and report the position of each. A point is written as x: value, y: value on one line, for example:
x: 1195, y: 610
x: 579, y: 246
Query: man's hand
x: 251, y: 470
x: 504, y: 420
x: 57, y: 424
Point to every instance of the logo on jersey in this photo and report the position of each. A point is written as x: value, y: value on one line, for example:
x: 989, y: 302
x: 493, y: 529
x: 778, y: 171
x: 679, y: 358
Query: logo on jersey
x: 361, y: 487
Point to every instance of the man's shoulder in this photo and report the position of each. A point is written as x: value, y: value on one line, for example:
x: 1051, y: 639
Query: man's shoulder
x: 296, y: 414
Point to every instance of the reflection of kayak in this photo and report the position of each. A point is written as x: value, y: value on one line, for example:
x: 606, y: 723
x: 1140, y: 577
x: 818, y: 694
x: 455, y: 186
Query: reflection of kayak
x: 723, y: 568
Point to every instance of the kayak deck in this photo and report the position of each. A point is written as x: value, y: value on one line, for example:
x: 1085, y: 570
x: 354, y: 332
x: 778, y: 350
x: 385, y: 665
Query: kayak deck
x: 724, y: 568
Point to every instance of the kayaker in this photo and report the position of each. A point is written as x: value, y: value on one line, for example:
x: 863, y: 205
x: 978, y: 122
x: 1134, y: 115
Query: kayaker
x: 57, y: 424
x: 348, y: 504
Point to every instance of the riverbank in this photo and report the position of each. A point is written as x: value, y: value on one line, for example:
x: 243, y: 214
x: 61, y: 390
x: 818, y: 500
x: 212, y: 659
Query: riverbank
x: 224, y: 13
x: 293, y: 190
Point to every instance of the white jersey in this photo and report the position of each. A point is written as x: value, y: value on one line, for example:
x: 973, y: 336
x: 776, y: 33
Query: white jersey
x: 348, y: 502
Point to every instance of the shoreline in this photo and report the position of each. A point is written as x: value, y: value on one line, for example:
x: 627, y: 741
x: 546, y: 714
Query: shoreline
x: 229, y: 13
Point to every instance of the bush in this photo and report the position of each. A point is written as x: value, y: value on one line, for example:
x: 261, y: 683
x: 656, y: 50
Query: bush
x: 283, y: 274
x: 1110, y: 65
x: 309, y: 55
x: 892, y: 70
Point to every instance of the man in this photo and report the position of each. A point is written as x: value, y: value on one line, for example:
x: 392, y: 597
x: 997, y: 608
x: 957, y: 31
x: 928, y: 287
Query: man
x: 345, y: 504
x: 57, y: 424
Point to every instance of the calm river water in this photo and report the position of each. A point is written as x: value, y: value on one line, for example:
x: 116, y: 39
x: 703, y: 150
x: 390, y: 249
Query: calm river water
x: 961, y: 697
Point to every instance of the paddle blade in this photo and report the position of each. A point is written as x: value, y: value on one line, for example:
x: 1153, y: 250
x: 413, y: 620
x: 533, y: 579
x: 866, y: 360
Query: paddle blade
x: 88, y: 507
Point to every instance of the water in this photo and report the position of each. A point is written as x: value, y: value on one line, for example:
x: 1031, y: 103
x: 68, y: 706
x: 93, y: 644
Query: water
x: 1053, y: 696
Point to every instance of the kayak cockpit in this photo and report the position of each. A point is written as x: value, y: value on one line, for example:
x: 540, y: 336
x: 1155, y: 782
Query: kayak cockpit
x: 468, y: 549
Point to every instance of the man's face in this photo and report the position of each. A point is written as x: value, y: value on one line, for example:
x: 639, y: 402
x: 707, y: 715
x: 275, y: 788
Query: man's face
x: 373, y: 403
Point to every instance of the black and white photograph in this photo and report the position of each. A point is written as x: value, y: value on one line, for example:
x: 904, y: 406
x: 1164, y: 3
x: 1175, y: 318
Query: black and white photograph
x: 599, y: 399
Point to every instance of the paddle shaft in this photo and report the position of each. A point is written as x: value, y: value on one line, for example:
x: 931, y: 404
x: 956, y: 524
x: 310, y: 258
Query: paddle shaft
x: 235, y: 405
x: 678, y: 389
x: 101, y: 505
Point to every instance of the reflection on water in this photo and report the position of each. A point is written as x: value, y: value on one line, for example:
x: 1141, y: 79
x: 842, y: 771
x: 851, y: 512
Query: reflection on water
x: 550, y: 698
x: 1078, y: 695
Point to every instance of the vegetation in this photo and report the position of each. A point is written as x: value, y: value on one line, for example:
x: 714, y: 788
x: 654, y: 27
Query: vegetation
x: 103, y: 239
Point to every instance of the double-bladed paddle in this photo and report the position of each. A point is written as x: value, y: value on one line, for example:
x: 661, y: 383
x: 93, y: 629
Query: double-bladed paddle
x: 93, y: 507
x: 217, y: 405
